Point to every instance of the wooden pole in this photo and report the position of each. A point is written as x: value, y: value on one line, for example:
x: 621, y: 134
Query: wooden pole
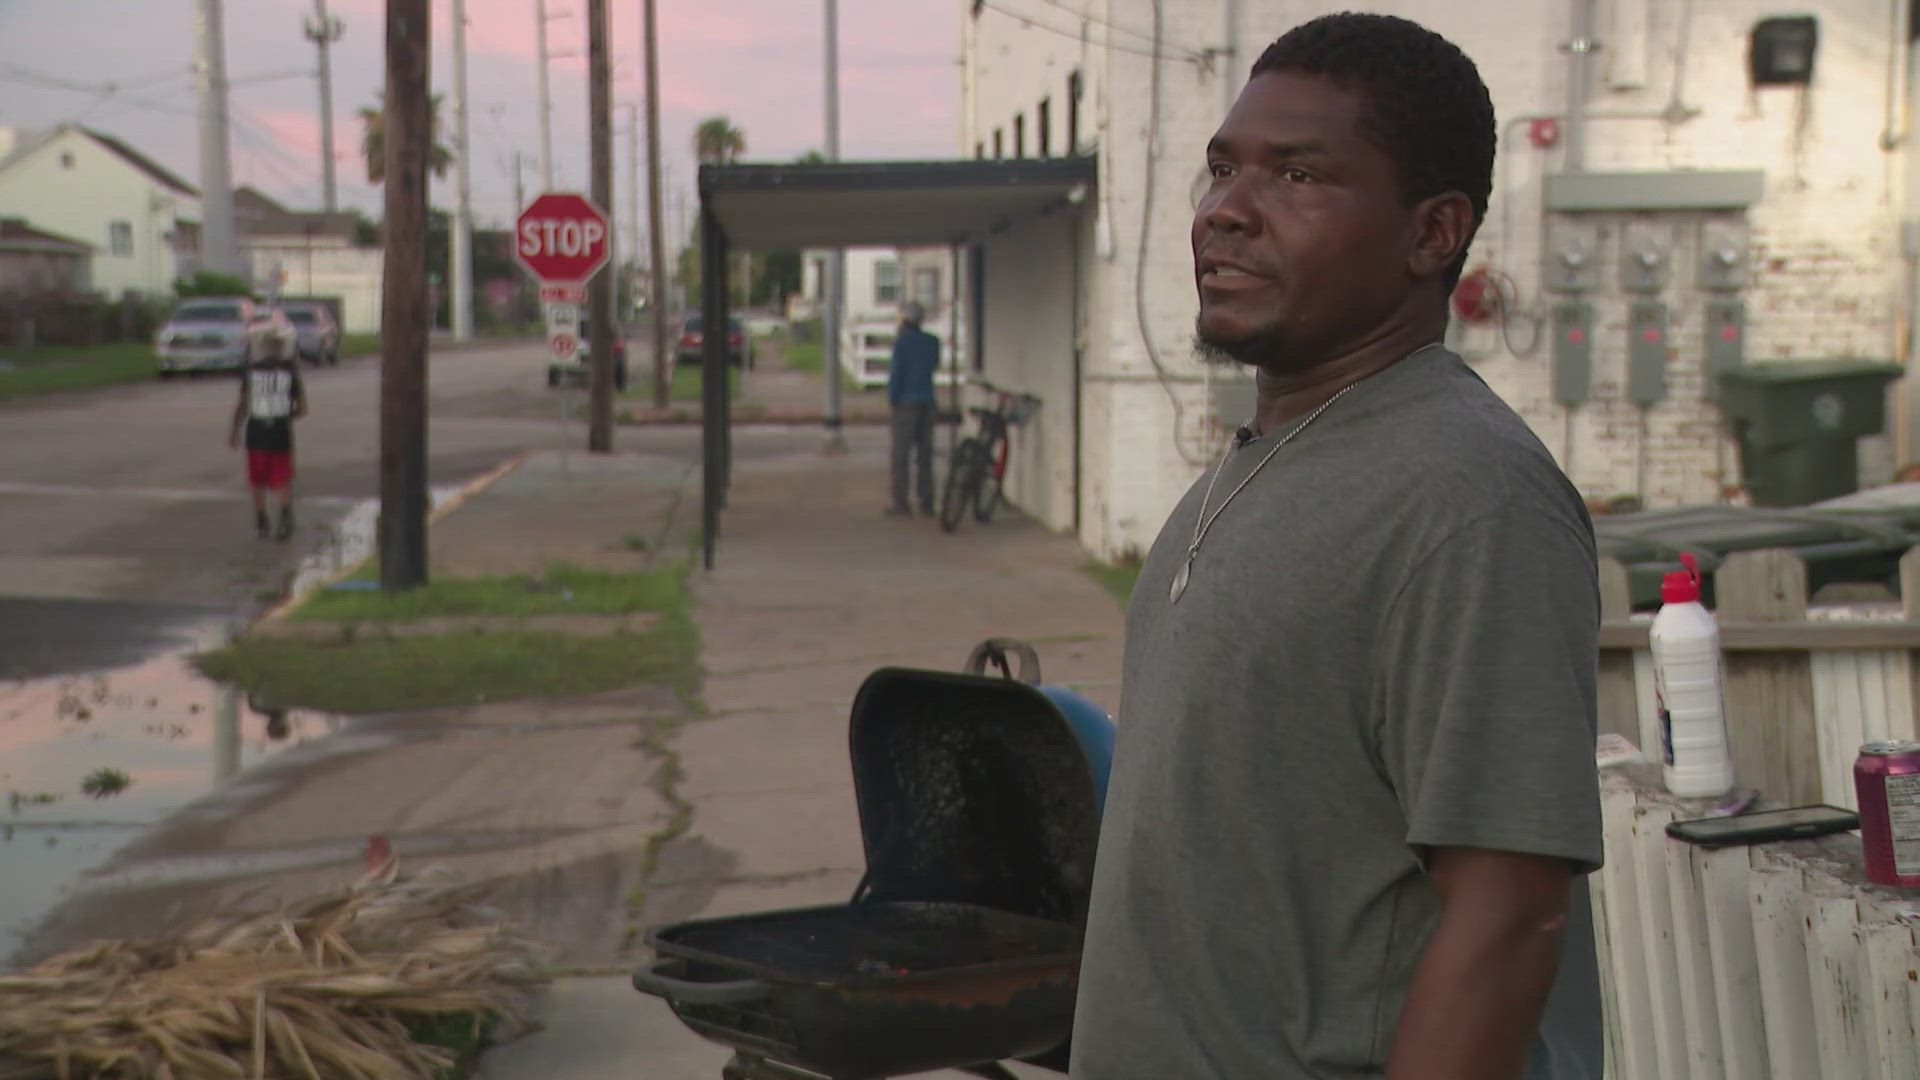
x: 404, y: 309
x: 600, y: 314
x: 662, y: 362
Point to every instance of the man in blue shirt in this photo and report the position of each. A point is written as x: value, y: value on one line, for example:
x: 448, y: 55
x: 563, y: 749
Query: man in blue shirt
x: 916, y: 354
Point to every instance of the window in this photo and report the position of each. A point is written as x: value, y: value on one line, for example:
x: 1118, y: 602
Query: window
x: 979, y: 150
x: 66, y: 159
x: 997, y: 154
x: 1020, y: 136
x: 926, y: 286
x: 120, y: 237
x: 1073, y: 112
x: 886, y: 282
x: 1043, y: 126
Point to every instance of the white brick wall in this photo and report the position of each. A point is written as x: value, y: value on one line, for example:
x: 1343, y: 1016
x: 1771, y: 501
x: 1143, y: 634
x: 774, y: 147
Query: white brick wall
x: 1828, y: 270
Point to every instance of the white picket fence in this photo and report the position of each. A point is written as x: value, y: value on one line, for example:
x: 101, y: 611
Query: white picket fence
x: 1774, y: 961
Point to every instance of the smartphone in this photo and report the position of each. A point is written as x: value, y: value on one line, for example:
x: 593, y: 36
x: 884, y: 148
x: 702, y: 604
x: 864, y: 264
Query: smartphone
x: 1792, y: 823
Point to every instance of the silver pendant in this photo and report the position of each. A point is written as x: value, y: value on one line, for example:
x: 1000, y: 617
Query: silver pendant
x: 1180, y: 579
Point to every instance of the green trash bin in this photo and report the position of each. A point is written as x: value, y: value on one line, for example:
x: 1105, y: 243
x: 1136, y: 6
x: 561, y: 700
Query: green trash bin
x: 1798, y: 425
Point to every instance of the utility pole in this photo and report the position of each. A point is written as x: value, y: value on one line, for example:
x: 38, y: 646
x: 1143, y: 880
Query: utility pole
x: 461, y: 251
x: 662, y: 363
x: 546, y: 96
x: 836, y: 262
x: 323, y: 30
x: 633, y: 200
x: 216, y: 163
x: 519, y: 186
x: 405, y: 314
x: 600, y: 311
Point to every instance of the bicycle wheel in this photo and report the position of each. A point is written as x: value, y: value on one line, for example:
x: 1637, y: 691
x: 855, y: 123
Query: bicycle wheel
x: 986, y: 498
x: 963, y: 483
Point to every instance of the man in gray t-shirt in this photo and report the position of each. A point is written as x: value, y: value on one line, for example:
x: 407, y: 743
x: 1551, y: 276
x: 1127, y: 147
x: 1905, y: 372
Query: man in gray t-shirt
x: 1354, y: 797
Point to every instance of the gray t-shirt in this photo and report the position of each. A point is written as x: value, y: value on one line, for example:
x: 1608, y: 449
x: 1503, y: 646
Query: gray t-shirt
x: 1388, y: 641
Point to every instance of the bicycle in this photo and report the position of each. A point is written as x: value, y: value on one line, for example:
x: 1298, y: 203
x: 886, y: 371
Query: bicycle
x: 977, y: 475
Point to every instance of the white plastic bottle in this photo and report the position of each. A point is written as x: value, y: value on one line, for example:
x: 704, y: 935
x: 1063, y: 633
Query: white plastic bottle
x: 1688, y: 686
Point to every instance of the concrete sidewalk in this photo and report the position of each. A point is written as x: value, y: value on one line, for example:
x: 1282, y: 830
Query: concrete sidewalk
x: 596, y: 817
x: 812, y: 591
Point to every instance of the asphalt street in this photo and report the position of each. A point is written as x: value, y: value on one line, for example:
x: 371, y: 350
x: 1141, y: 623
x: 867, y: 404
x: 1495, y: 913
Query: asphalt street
x: 125, y: 529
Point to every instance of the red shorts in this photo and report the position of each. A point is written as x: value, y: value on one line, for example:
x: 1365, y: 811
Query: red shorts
x: 270, y: 468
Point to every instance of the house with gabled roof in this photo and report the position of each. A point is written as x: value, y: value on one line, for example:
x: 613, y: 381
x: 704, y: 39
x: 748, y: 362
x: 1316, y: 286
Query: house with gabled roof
x: 35, y: 260
x: 141, y: 219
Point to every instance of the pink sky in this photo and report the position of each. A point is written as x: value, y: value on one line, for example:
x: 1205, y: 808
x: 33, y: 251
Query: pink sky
x: 759, y: 62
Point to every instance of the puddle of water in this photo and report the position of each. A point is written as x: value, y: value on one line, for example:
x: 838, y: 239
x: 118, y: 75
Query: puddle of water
x: 87, y: 761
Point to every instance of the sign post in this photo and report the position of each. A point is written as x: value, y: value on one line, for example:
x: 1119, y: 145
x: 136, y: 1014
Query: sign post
x: 562, y: 239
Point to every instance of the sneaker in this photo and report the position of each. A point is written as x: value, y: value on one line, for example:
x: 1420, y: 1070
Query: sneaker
x: 286, y: 524
x: 262, y: 526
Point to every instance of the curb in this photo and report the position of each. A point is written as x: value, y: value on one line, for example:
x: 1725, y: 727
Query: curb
x: 446, y: 506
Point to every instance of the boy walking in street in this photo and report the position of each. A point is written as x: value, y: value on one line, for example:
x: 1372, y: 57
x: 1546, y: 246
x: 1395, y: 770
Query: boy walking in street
x: 271, y: 399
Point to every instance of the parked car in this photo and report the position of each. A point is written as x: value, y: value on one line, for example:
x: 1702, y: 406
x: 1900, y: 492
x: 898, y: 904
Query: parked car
x: 578, y: 373
x: 221, y: 333
x: 316, y: 335
x: 689, y: 344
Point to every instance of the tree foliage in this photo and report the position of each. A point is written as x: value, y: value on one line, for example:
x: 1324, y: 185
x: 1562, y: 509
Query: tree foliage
x: 373, y: 139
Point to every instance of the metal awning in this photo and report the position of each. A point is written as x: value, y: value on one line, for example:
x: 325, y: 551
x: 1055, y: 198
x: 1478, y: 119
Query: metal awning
x: 849, y: 204
x: 862, y: 203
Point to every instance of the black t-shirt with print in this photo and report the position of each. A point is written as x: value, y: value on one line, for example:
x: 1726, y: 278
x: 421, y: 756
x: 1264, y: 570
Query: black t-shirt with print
x: 270, y: 391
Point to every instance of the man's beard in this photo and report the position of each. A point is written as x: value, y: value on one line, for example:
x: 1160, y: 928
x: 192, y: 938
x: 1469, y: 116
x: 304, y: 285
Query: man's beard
x: 1260, y: 348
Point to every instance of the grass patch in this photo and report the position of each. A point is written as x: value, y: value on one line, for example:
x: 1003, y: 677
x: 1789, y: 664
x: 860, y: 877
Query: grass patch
x: 88, y: 367
x: 685, y: 388
x: 808, y: 356
x: 561, y: 590
x: 1118, y: 578
x: 362, y: 670
x: 359, y: 345
x: 373, y: 673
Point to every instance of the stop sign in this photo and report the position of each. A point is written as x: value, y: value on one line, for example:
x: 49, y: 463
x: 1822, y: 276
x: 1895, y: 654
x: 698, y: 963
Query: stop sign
x: 562, y: 237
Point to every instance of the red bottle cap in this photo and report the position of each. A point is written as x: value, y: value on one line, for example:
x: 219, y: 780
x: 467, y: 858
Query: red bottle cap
x: 1682, y: 586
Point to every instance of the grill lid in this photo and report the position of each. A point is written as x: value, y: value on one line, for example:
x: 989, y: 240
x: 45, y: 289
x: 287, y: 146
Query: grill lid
x: 972, y: 790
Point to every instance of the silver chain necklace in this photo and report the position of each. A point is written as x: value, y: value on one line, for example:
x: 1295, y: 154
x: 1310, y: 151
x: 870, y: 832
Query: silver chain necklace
x: 1203, y: 524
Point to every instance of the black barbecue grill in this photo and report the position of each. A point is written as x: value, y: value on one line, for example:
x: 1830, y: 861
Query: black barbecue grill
x: 979, y: 811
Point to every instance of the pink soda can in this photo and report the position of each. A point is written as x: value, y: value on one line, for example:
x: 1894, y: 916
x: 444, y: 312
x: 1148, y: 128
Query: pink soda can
x: 1886, y: 777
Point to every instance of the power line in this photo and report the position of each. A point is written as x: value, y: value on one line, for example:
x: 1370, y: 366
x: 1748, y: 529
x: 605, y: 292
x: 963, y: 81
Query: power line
x: 274, y: 76
x: 1117, y: 46
x: 1117, y: 28
x: 279, y: 164
x: 54, y: 82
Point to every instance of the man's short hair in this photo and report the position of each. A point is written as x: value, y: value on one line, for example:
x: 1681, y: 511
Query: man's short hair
x: 912, y: 312
x: 1426, y: 105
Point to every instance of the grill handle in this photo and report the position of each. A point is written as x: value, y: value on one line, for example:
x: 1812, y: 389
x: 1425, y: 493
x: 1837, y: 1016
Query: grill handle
x: 997, y: 650
x: 662, y: 979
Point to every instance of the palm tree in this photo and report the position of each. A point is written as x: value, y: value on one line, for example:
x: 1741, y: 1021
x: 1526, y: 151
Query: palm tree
x: 717, y: 142
x: 373, y: 139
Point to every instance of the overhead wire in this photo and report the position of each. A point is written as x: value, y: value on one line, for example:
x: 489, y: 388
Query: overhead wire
x: 1191, y: 54
x: 1030, y: 20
